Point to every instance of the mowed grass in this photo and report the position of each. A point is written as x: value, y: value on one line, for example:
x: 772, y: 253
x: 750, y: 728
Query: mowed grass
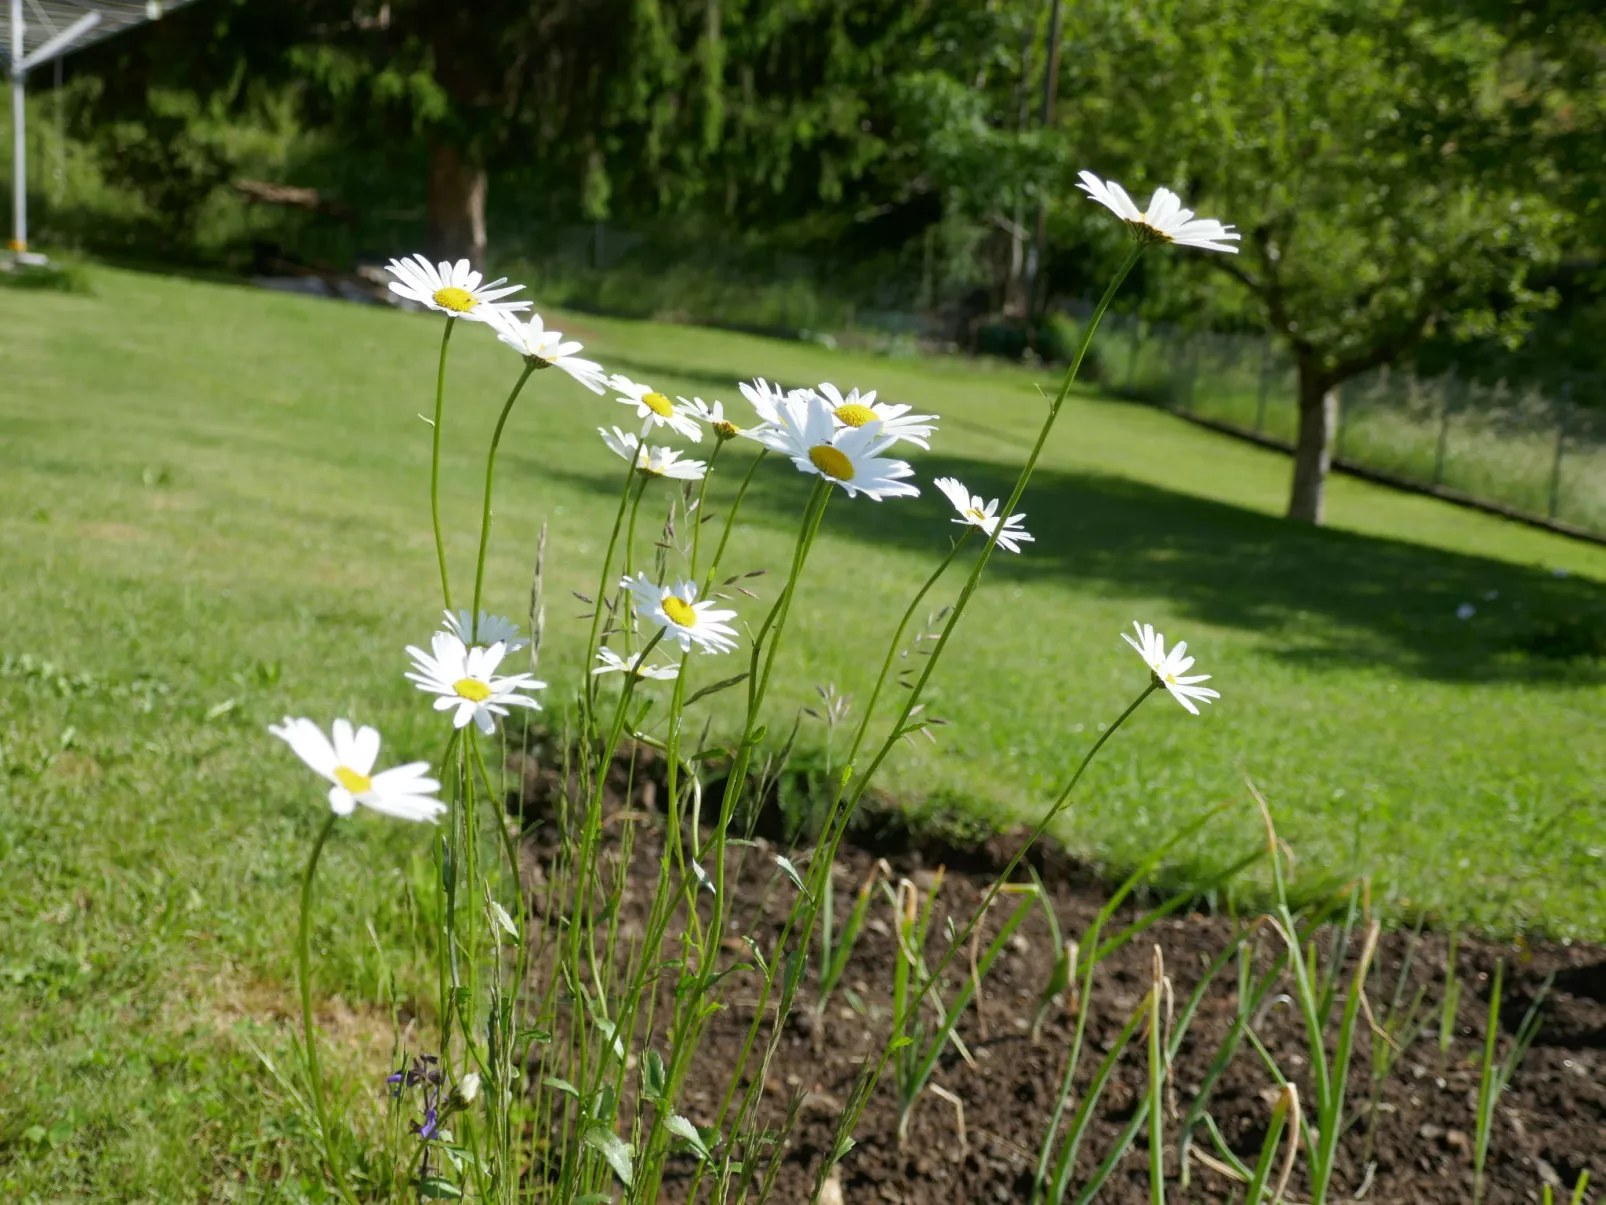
x: 214, y: 511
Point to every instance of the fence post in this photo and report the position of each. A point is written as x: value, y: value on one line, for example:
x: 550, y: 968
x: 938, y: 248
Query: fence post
x: 1265, y: 387
x: 1561, y: 446
x: 1445, y: 391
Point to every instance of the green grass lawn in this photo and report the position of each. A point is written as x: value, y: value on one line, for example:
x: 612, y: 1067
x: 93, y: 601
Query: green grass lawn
x: 214, y: 510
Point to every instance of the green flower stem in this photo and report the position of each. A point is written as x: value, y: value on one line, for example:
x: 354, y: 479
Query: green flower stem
x: 630, y: 530
x: 435, y: 466
x: 308, y: 1028
x: 974, y: 579
x: 894, y: 644
x: 730, y: 520
x: 697, y: 515
x: 602, y: 593
x: 485, y: 515
x: 689, y: 1018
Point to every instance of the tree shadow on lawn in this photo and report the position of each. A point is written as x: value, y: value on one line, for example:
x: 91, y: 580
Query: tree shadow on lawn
x: 1333, y: 597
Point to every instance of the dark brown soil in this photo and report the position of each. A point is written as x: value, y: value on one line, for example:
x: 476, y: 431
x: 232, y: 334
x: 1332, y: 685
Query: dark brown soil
x: 1417, y: 1147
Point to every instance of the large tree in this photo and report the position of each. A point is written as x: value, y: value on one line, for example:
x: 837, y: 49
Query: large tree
x: 1390, y: 166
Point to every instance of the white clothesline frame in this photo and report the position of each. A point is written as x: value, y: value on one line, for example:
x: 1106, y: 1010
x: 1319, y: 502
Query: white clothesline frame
x: 40, y: 31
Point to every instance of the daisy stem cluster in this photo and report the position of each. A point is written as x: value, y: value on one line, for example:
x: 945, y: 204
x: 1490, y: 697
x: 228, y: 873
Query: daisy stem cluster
x: 574, y: 999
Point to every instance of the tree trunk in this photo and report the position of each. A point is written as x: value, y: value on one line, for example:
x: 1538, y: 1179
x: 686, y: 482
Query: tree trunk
x: 1318, y: 416
x: 456, y: 207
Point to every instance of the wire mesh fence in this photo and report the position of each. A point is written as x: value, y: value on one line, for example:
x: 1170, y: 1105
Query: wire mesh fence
x: 1514, y: 448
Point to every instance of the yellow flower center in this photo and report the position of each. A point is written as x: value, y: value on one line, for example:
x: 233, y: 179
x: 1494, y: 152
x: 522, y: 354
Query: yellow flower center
x: 831, y: 462
x: 975, y: 514
x: 658, y: 404
x: 472, y: 689
x: 1171, y: 678
x: 854, y: 415
x: 725, y: 430
x: 459, y: 301
x: 679, y: 610
x: 357, y: 784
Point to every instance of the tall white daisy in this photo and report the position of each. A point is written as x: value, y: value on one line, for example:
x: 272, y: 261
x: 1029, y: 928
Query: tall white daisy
x: 976, y: 513
x: 491, y: 629
x: 656, y: 409
x: 714, y: 416
x: 1164, y: 221
x: 406, y: 792
x: 652, y: 460
x: 611, y: 662
x: 466, y: 679
x: 846, y: 456
x: 675, y: 609
x: 896, y: 421
x: 1169, y: 668
x: 453, y: 289
x: 542, y: 348
x: 765, y: 399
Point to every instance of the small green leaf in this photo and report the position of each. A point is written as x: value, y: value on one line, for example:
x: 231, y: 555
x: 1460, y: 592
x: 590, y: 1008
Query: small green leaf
x: 615, y: 1150
x: 433, y: 1188
x: 562, y: 1085
x: 500, y: 916
x: 680, y: 1127
x: 654, y: 1077
x: 715, y: 688
x: 790, y: 871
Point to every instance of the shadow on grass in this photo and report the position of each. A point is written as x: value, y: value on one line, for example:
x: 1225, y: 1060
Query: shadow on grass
x: 1331, y: 597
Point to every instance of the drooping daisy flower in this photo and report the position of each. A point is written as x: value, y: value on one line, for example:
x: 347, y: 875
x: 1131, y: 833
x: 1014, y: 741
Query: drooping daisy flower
x: 1164, y: 221
x: 1169, y: 668
x: 466, y: 679
x: 974, y: 512
x: 406, y: 792
x: 675, y: 609
x: 613, y: 663
x: 656, y: 409
x: 896, y: 421
x: 714, y: 416
x: 765, y: 399
x: 846, y: 456
x: 652, y: 460
x: 491, y: 629
x: 453, y: 289
x: 542, y: 348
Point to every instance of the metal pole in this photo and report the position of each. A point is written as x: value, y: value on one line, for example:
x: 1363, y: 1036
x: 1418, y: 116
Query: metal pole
x: 19, y: 132
x: 1561, y: 446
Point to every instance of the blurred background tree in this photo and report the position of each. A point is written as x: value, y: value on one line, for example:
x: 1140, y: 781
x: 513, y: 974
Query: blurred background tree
x: 1415, y: 182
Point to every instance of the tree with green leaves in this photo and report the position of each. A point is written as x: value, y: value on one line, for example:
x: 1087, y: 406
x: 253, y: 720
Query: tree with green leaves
x: 1387, y: 164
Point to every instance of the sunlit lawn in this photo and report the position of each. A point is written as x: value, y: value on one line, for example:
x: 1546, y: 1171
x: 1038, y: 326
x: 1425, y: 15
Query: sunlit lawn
x: 213, y: 510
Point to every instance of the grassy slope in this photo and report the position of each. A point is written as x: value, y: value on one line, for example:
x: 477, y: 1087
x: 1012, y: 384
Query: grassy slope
x: 213, y: 511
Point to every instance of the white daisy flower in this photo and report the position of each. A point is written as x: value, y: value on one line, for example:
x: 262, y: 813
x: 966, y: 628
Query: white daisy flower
x: 613, y: 663
x: 656, y: 409
x: 714, y: 416
x: 974, y: 512
x: 466, y: 679
x: 491, y: 629
x: 676, y: 609
x: 846, y: 456
x: 896, y: 421
x: 765, y: 399
x: 651, y: 459
x: 546, y: 349
x: 406, y: 792
x: 1168, y: 668
x: 453, y: 289
x: 1164, y: 221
